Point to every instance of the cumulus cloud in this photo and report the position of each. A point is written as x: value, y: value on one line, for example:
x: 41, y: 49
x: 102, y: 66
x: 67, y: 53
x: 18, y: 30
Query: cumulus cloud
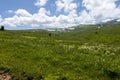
x: 102, y: 9
x: 66, y: 5
x: 40, y: 3
x: 24, y: 18
x: 85, y: 18
x: 16, y: 21
x: 95, y: 11
x: 22, y: 12
x: 21, y: 17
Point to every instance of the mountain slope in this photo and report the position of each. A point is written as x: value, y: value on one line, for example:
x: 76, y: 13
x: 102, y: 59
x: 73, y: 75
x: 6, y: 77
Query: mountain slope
x: 108, y: 35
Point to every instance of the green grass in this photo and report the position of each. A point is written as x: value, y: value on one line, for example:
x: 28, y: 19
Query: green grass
x: 77, y: 55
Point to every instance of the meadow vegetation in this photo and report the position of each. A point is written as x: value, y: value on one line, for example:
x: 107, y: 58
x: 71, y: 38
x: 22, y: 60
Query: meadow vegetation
x: 80, y: 54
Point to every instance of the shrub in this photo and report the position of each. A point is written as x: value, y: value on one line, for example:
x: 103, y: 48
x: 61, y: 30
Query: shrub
x: 2, y: 28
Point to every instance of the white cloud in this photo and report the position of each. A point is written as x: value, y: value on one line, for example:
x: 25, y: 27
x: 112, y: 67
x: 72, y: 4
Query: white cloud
x: 41, y: 19
x: 102, y: 9
x: 99, y: 4
x: 96, y: 11
x: 43, y: 11
x: 24, y: 18
x: 59, y: 5
x: 9, y: 11
x: 85, y: 18
x: 0, y: 18
x: 66, y: 5
x: 40, y: 3
x: 22, y: 12
x: 10, y: 21
x: 106, y: 20
x: 16, y: 21
x: 21, y: 17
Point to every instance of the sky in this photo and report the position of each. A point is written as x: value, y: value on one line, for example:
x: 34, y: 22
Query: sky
x: 41, y: 14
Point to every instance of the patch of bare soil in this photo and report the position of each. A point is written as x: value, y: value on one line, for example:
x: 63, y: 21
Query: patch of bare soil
x: 5, y: 76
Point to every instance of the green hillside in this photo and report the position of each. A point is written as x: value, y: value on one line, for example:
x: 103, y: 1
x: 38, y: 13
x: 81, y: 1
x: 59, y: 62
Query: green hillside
x: 94, y: 34
x: 86, y: 53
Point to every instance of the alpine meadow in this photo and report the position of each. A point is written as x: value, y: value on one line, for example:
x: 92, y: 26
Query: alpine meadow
x: 60, y: 40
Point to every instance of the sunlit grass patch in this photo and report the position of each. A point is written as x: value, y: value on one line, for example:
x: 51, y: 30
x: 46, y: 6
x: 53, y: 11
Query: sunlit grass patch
x: 29, y: 37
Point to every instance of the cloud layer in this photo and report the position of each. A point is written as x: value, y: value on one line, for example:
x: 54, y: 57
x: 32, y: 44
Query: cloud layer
x: 94, y: 11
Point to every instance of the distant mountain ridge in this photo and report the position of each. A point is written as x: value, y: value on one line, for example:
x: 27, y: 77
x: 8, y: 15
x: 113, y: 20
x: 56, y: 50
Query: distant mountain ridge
x: 114, y: 22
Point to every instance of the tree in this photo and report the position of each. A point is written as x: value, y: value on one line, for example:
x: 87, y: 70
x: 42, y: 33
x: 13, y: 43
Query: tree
x: 2, y: 28
x: 50, y: 34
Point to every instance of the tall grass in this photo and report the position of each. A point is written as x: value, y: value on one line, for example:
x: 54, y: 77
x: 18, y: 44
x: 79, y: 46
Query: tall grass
x: 76, y: 55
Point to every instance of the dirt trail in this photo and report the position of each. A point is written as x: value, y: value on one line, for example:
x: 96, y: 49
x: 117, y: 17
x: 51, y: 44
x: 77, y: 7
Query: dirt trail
x: 5, y: 76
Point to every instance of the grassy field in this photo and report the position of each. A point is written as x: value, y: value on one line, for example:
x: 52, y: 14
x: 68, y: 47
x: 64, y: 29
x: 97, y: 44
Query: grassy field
x: 86, y: 53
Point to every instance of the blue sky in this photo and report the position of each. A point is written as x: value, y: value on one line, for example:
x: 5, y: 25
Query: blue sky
x: 33, y: 14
